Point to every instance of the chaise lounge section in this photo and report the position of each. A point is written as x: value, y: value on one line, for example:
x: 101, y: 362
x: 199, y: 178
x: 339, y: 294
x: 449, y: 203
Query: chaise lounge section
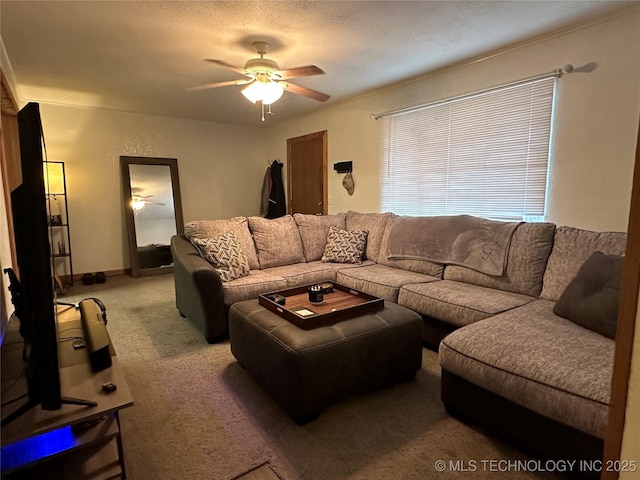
x: 531, y: 363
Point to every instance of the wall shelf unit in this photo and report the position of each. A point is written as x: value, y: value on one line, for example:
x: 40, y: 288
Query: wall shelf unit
x: 59, y: 234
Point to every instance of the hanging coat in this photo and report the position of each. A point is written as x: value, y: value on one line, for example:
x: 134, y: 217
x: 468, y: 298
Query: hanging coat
x: 277, y: 202
x: 266, y: 191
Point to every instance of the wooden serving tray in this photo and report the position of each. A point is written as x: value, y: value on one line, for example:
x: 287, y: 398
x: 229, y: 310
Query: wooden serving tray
x: 341, y: 304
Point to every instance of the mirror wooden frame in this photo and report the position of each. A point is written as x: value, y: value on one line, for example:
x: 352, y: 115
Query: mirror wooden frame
x: 125, y: 162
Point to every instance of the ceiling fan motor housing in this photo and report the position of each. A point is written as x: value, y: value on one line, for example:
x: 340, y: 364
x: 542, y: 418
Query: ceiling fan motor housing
x: 256, y: 66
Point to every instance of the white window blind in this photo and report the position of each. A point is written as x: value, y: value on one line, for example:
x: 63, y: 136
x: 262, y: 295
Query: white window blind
x: 485, y: 154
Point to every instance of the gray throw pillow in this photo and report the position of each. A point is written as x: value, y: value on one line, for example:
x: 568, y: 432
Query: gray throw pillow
x: 592, y: 298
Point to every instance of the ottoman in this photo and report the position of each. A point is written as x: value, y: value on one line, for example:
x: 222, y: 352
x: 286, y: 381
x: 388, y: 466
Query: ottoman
x: 306, y: 370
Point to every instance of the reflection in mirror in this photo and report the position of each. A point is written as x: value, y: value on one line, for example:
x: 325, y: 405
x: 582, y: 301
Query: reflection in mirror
x: 154, y: 213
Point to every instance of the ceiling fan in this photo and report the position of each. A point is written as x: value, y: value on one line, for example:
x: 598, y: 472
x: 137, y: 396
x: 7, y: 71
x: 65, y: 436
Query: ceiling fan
x: 265, y: 80
x: 143, y: 198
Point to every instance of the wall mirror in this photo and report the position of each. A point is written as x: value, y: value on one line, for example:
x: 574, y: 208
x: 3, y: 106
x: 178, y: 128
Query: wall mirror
x: 151, y: 193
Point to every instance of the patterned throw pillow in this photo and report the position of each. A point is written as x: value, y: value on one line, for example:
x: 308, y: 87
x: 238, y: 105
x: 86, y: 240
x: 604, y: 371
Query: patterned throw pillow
x: 225, y: 254
x: 344, y: 246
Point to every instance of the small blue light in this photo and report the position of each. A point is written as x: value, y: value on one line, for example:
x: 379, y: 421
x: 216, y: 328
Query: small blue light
x: 37, y: 448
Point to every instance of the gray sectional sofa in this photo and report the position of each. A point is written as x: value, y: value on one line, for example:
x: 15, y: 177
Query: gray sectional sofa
x: 508, y: 361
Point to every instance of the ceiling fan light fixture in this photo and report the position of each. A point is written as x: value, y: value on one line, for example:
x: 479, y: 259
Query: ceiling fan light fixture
x: 263, y: 90
x: 252, y: 92
x: 272, y: 93
x: 137, y: 205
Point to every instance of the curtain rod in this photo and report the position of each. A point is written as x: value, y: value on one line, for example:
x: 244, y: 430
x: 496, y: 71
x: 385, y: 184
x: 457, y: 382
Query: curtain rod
x: 558, y: 72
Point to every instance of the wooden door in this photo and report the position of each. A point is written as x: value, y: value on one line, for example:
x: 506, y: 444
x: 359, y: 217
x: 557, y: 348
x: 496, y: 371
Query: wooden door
x: 627, y: 313
x: 307, y: 173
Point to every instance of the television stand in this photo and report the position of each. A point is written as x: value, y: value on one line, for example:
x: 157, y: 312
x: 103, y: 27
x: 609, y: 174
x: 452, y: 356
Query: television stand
x: 85, y: 434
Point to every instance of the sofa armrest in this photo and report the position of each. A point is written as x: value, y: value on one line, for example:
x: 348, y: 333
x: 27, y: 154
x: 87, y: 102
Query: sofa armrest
x: 199, y: 294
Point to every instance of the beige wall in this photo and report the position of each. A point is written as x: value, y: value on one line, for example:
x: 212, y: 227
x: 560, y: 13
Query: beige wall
x: 6, y: 308
x: 595, y: 125
x: 221, y: 168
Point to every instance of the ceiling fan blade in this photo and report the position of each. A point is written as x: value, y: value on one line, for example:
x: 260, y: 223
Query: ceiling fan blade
x: 299, y: 72
x: 307, y: 92
x: 222, y: 63
x: 220, y: 84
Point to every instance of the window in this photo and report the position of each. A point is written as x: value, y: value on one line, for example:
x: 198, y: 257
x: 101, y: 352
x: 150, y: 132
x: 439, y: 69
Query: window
x: 484, y: 154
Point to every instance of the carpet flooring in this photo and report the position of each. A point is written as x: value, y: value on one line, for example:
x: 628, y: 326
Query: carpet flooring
x: 199, y: 415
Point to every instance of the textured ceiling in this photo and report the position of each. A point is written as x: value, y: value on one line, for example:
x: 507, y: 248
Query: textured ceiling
x: 143, y: 56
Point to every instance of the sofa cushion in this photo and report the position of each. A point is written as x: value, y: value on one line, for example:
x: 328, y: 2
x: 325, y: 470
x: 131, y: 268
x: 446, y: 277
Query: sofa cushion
x: 413, y: 265
x: 277, y: 241
x: 592, y: 298
x: 571, y: 248
x: 314, y: 230
x: 344, y: 246
x: 539, y: 361
x: 526, y: 261
x: 225, y: 254
x: 249, y: 287
x: 214, y: 228
x: 299, y: 274
x: 458, y: 303
x: 380, y: 280
x: 375, y: 224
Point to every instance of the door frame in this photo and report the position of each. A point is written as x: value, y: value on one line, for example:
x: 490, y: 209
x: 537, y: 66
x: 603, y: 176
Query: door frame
x: 625, y: 335
x: 325, y: 189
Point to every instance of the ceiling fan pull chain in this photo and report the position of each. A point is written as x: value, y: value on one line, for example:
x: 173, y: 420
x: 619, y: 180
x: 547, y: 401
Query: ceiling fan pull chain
x: 262, y: 104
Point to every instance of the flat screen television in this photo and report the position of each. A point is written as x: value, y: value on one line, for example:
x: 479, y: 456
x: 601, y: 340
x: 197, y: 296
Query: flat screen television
x: 32, y: 287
